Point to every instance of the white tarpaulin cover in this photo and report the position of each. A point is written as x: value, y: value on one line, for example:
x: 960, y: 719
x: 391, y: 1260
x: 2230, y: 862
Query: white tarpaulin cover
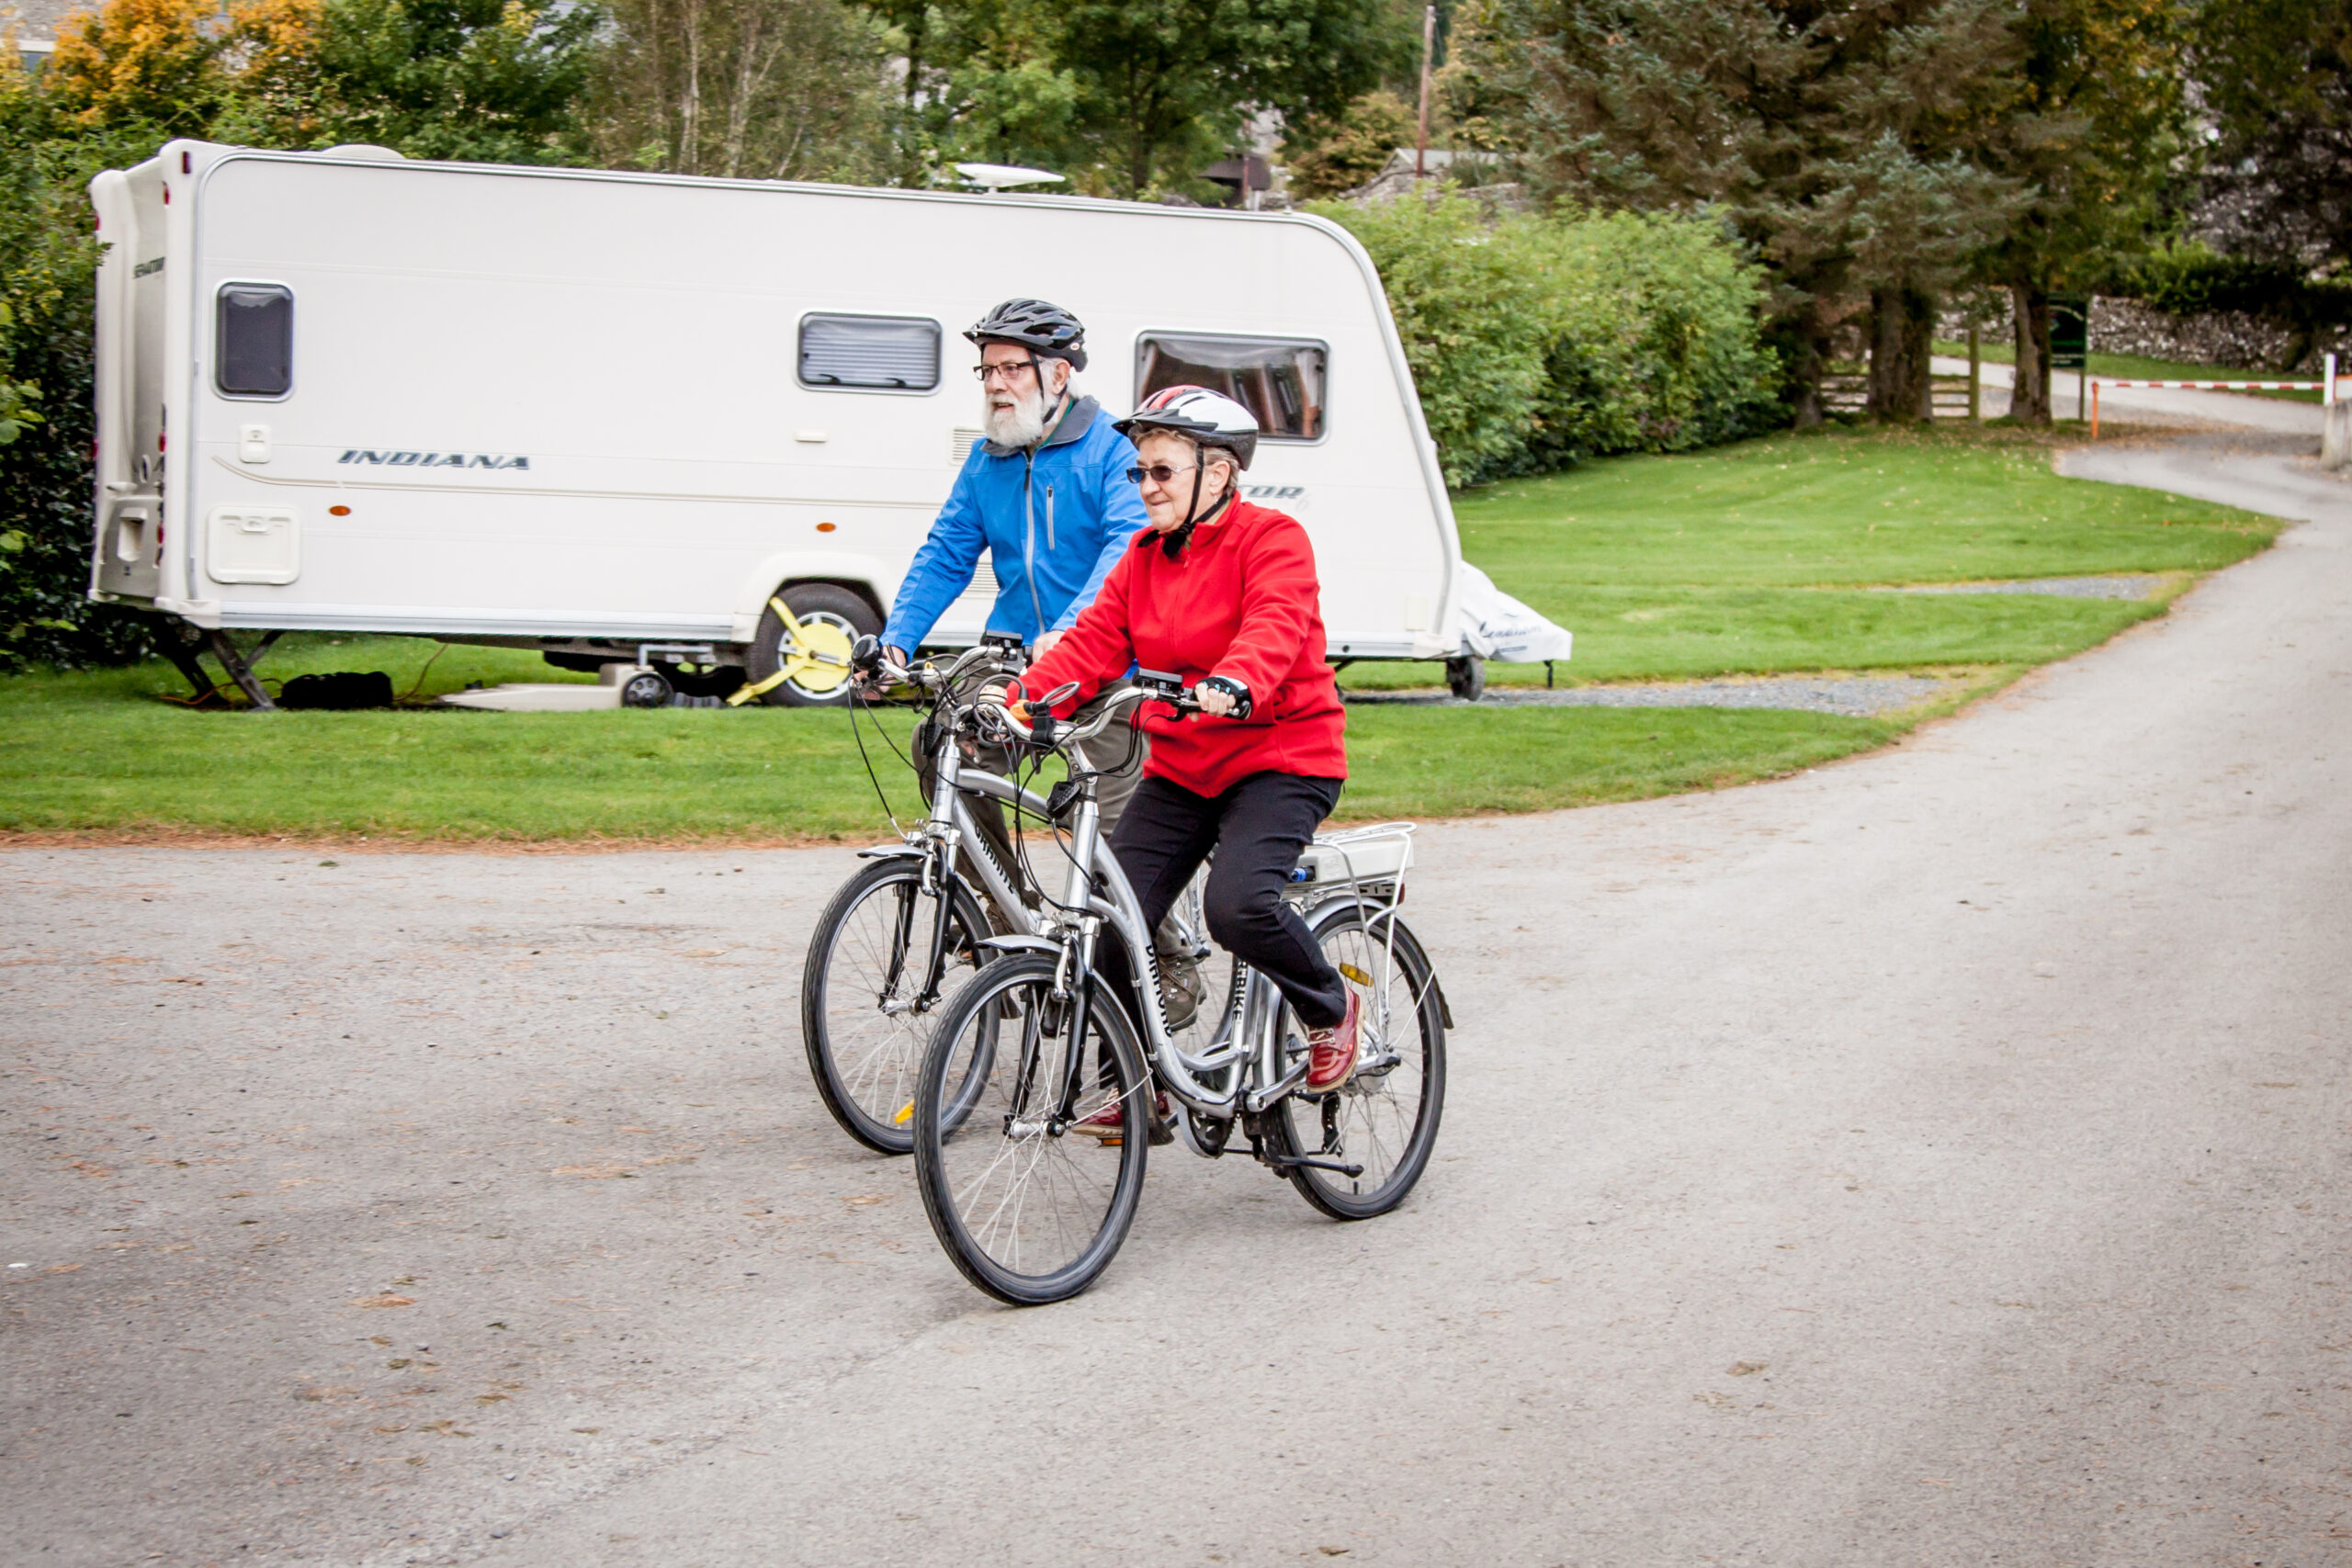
x: 1496, y: 625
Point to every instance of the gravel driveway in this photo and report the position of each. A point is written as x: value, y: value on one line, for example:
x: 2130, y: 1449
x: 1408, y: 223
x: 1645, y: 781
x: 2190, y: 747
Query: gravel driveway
x: 1937, y: 1159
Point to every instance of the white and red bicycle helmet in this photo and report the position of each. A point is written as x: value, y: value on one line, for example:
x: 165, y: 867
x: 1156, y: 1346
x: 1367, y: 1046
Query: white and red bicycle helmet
x: 1210, y: 418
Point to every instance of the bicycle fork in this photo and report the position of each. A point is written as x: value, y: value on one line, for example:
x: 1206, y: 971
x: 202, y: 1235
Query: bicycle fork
x: 938, y: 881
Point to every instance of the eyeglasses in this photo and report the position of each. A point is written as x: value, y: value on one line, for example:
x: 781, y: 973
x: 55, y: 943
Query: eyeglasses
x: 1158, y: 473
x: 1009, y: 372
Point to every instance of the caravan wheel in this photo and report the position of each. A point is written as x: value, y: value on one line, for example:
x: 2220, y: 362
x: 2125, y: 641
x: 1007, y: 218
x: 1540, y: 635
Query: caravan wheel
x: 812, y: 653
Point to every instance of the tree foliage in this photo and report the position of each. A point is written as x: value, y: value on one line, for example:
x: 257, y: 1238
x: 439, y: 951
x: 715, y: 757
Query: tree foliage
x: 1327, y: 161
x: 767, y: 89
x: 1828, y: 132
x: 2276, y: 78
x: 2091, y: 131
x: 1128, y: 98
x: 48, y: 258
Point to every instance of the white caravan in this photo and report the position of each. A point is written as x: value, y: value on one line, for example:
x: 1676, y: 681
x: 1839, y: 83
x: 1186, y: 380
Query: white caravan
x: 623, y: 416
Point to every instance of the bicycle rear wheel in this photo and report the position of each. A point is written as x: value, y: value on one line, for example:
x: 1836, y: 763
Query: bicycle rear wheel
x: 859, y: 993
x: 1385, y: 1118
x: 1030, y: 1210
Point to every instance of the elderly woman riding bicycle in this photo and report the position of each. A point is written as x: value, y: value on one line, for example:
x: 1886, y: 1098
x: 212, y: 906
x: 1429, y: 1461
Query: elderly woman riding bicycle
x: 1224, y: 595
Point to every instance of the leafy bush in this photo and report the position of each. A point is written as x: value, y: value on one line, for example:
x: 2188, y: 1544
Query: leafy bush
x: 1654, y: 346
x: 1474, y: 322
x: 2192, y: 280
x: 1537, y: 342
x: 47, y: 257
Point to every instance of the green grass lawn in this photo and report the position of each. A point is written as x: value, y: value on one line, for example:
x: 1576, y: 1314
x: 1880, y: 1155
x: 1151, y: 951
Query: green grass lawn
x: 2138, y: 367
x: 1757, y: 559
x: 92, y: 751
x: 1773, y: 556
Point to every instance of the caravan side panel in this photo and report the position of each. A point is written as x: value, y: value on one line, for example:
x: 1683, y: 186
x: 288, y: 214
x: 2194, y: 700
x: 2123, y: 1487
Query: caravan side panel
x: 553, y: 404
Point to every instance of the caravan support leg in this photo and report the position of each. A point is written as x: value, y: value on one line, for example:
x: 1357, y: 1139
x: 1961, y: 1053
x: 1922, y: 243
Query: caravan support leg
x: 181, y: 647
x: 241, y: 668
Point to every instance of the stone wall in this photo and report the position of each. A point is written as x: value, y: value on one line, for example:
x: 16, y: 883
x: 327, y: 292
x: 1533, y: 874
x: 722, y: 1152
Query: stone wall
x: 2224, y: 338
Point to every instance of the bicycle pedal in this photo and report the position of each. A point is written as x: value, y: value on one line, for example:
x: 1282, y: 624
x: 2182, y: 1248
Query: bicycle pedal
x: 1261, y: 1098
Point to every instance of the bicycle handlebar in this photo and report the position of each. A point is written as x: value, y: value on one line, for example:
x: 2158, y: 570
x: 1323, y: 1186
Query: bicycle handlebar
x: 1058, y: 734
x: 869, y: 661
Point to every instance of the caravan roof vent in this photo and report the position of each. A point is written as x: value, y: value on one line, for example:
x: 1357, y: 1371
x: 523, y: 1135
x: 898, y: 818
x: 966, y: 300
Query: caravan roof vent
x: 366, y: 150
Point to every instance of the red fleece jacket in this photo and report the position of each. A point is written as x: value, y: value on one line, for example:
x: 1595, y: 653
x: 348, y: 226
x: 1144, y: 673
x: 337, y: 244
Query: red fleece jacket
x: 1242, y: 601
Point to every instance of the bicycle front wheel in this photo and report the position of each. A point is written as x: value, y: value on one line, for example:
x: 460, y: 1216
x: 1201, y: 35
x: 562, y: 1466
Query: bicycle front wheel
x: 1031, y: 1210
x: 863, y: 1016
x: 1385, y: 1118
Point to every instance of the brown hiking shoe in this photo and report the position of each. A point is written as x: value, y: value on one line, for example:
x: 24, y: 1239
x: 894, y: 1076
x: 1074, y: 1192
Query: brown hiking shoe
x: 1110, y: 1123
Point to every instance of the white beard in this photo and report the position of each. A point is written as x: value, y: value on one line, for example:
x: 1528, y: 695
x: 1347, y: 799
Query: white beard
x: 1017, y: 426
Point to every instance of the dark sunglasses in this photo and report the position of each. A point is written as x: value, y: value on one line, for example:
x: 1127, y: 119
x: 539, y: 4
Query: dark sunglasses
x: 1158, y: 473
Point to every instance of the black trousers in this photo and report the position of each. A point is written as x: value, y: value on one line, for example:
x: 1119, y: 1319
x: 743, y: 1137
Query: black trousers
x: 1257, y: 828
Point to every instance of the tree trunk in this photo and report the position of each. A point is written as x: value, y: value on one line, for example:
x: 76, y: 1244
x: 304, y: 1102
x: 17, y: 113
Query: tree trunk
x: 1901, y: 336
x: 1809, y: 360
x: 1919, y: 352
x: 2029, y: 402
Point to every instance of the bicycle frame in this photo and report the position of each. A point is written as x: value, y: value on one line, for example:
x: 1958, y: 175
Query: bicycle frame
x: 1242, y: 1070
x: 1247, y: 1050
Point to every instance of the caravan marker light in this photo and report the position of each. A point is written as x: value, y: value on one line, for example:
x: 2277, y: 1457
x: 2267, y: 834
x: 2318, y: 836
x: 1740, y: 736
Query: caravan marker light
x: 827, y: 527
x: 338, y: 511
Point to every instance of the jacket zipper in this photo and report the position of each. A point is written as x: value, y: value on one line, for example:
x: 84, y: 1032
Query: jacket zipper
x: 1029, y: 539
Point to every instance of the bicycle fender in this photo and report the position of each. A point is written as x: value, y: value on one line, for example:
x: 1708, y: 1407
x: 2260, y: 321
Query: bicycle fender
x: 892, y: 852
x: 1022, y: 945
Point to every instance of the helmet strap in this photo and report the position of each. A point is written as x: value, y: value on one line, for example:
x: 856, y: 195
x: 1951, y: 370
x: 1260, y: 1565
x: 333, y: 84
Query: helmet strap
x: 1061, y: 407
x: 1172, y: 546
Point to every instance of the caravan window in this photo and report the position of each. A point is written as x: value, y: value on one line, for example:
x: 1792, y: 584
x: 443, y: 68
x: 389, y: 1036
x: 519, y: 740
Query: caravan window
x: 253, y: 347
x: 1279, y: 379
x: 882, y: 353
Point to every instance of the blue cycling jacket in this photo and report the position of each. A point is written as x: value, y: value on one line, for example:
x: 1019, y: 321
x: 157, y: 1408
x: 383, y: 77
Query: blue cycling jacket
x: 1053, y: 526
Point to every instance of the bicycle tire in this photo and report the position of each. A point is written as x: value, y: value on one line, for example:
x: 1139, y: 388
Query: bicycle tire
x: 1385, y: 1117
x: 995, y: 1179
x: 868, y: 1095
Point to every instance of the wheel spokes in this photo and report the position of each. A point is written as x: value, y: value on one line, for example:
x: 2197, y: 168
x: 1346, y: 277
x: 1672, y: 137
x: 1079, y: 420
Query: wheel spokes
x: 1030, y: 1198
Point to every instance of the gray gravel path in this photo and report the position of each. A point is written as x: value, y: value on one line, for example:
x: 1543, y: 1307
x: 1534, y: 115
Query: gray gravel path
x: 1859, y: 696
x: 2120, y: 585
x: 1941, y: 1159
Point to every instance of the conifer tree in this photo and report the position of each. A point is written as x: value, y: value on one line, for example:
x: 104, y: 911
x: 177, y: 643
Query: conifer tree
x: 1831, y: 133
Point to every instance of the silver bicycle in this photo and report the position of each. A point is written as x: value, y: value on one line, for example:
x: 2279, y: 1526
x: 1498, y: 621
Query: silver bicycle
x: 1032, y: 1207
x: 907, y: 931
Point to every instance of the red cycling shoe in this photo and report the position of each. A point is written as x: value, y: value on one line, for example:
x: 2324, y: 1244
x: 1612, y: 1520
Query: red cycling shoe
x: 1331, y: 1052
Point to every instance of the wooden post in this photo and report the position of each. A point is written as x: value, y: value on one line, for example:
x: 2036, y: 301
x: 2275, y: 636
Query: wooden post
x: 1421, y: 137
x: 1975, y: 377
x: 2094, y: 411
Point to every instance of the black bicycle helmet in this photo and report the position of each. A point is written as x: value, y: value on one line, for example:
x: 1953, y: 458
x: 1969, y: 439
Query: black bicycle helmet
x: 1046, y: 330
x: 1210, y: 418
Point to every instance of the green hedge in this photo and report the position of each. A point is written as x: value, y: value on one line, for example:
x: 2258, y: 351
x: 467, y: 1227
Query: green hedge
x: 1537, y: 342
x: 2194, y: 280
x: 47, y: 257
